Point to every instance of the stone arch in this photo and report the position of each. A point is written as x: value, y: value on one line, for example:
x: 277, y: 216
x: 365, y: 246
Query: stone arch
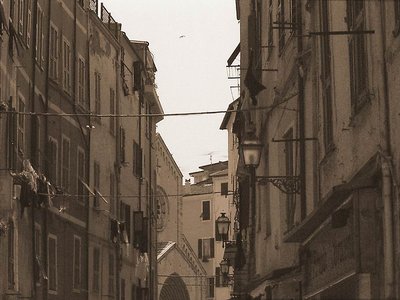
x: 174, y: 288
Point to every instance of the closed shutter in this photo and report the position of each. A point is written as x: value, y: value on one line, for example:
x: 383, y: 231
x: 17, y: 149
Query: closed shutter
x: 217, y: 276
x: 137, y: 75
x: 200, y: 247
x: 212, y: 248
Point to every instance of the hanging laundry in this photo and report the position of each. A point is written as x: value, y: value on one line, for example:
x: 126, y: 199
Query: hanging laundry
x: 3, y: 227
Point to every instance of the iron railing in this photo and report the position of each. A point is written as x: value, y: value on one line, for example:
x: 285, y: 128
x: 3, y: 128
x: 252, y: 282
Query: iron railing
x: 109, y: 21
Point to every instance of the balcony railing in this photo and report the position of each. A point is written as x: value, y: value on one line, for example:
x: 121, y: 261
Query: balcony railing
x: 109, y: 21
x: 94, y: 6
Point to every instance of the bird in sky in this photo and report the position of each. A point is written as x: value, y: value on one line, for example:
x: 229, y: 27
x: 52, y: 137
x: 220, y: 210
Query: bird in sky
x: 182, y: 36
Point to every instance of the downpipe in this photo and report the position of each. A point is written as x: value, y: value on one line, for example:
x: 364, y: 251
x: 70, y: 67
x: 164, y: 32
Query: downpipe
x: 387, y: 230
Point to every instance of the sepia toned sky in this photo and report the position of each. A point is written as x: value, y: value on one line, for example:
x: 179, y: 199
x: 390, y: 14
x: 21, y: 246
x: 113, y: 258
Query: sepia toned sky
x: 191, y: 41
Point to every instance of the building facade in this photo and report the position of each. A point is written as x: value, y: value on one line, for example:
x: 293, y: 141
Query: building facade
x: 318, y: 92
x: 180, y: 273
x: 203, y: 203
x: 78, y: 181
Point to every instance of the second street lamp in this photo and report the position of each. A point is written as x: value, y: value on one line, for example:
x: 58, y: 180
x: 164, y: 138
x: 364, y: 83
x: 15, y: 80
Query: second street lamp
x: 223, y: 224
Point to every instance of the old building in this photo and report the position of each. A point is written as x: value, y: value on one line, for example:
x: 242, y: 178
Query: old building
x: 180, y: 272
x: 78, y: 181
x: 203, y: 203
x: 318, y: 101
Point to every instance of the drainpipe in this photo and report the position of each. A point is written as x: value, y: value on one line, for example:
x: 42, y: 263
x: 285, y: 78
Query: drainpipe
x: 300, y: 97
x: 34, y: 254
x: 388, y: 241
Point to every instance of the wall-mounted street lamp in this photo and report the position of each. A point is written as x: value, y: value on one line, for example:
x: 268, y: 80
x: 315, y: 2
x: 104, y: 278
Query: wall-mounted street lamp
x: 223, y: 223
x: 224, y: 267
x: 252, y: 148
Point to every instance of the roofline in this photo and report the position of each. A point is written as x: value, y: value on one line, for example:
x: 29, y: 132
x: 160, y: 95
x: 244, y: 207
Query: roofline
x: 158, y: 136
x: 228, y: 114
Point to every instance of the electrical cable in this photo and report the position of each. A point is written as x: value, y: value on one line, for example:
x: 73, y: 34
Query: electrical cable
x: 152, y: 115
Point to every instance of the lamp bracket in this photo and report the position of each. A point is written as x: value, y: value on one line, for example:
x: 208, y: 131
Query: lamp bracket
x: 287, y: 184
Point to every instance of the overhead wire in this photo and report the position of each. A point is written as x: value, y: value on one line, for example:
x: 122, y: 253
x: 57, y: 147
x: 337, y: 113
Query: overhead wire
x: 177, y: 114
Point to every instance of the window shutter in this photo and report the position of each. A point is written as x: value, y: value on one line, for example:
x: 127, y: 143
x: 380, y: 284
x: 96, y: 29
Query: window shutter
x: 137, y: 75
x: 200, y: 247
x: 217, y: 277
x: 122, y: 144
x: 128, y: 220
x: 212, y: 248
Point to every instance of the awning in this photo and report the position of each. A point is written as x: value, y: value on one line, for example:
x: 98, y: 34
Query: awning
x: 332, y: 200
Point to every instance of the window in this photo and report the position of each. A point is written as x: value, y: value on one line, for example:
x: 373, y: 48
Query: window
x: 52, y: 263
x: 137, y: 159
x: 66, y: 58
x: 53, y: 160
x: 358, y: 55
x: 39, y: 47
x: 53, y: 55
x: 112, y: 194
x: 96, y: 184
x: 112, y: 111
x: 122, y: 141
x: 111, y: 274
x: 81, y: 164
x: 11, y: 256
x: 38, y: 254
x: 289, y: 165
x: 21, y: 127
x: 126, y: 217
x: 397, y: 16
x: 206, y: 248
x: 81, y: 82
x: 28, y: 22
x: 224, y: 188
x: 97, y: 93
x: 280, y: 18
x: 205, y: 210
x: 270, y: 28
x: 96, y: 269
x: 326, y: 75
x: 122, y: 289
x: 77, y: 263
x: 65, y: 169
x: 210, y: 290
x: 21, y: 16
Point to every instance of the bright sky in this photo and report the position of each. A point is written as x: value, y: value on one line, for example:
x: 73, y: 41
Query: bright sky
x: 191, y: 72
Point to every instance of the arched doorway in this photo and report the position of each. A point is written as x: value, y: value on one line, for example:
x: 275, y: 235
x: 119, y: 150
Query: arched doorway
x: 174, y: 288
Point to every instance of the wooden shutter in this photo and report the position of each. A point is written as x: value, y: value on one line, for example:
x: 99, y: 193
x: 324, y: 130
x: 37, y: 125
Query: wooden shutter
x: 200, y: 247
x: 217, y: 276
x: 137, y: 76
x: 212, y: 248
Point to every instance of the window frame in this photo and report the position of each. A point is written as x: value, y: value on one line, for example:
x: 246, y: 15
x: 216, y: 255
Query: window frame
x: 54, y: 41
x: 65, y: 170
x: 326, y: 76
x: 209, y: 210
x: 81, y: 81
x: 55, y: 143
x: 358, y: 55
x: 97, y: 94
x: 81, y: 173
x: 111, y: 274
x: 76, y: 269
x: 11, y: 256
x: 396, y: 30
x: 66, y: 64
x: 21, y: 125
x: 96, y: 270
x: 55, y: 279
